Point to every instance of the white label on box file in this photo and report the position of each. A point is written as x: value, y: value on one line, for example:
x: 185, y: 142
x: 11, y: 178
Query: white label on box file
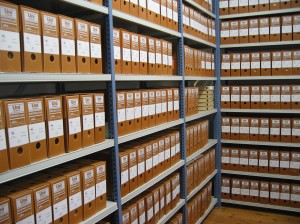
x: 9, y: 41
x: 235, y: 98
x: 234, y: 33
x: 261, y: 2
x: 245, y: 65
x: 275, y: 98
x: 225, y: 65
x: 142, y: 3
x: 129, y: 114
x: 263, y: 162
x: 296, y: 28
x: 244, y: 161
x: 151, y: 58
x: 274, y: 1
x: 243, y: 2
x: 284, y: 164
x: 235, y: 190
x: 265, y: 98
x: 275, y: 30
x: 67, y: 47
x: 117, y: 53
x: 244, y: 130
x: 295, y: 197
x: 155, y: 160
x: 138, y: 112
x: 167, y: 154
x: 264, y: 194
x: 253, y: 31
x: 96, y: 50
x: 255, y: 65
x: 56, y: 128
x: 253, y: 2
x: 74, y: 125
x: 223, y: 4
x: 286, y: 29
x: 255, y: 98
x: 28, y: 220
x: 225, y: 159
x: 121, y: 115
x: 274, y: 163
x: 133, y: 172
x: 264, y: 31
x: 225, y: 128
x: 266, y: 64
x: 158, y: 58
x: 88, y: 122
x: 163, y: 10
x: 285, y: 131
x: 124, y: 177
x: 44, y: 216
x: 135, y: 55
x: 37, y: 132
x: 245, y: 192
x: 60, y: 209
x: 287, y: 64
x: 2, y: 140
x: 158, y: 108
x: 145, y: 110
x: 296, y: 132
x: 126, y: 54
x: 285, y: 98
x: 149, y: 163
x: 224, y: 33
x: 150, y: 214
x: 89, y: 195
x: 51, y: 45
x: 233, y: 3
x: 296, y: 98
x: 253, y: 130
x: 274, y: 195
x: 176, y: 105
x: 18, y: 136
x: 253, y: 162
x: 75, y: 201
x: 100, y: 119
x: 294, y: 165
x: 254, y: 193
x: 264, y: 131
x: 32, y: 43
x: 226, y: 190
x: 152, y: 109
x: 141, y: 168
x: 274, y: 131
x: 284, y: 196
x: 225, y: 98
x: 235, y: 160
x: 235, y: 65
x: 245, y: 98
x: 175, y: 16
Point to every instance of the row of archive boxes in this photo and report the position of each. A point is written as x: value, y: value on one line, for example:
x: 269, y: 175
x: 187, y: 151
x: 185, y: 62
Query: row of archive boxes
x: 191, y: 100
x: 33, y: 129
x: 245, y: 6
x: 67, y: 194
x: 261, y: 129
x: 261, y: 63
x: 154, y: 203
x: 261, y: 97
x: 142, y: 109
x: 269, y: 29
x: 261, y: 191
x: 177, y: 219
x: 49, y: 43
x: 261, y: 160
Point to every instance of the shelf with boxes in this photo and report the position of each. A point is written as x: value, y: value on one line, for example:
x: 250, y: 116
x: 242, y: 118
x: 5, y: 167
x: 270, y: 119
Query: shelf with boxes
x: 243, y: 142
x: 110, y: 208
x: 262, y: 44
x: 262, y: 111
x: 213, y: 203
x: 95, y: 5
x: 168, y: 216
x: 252, y: 78
x: 196, y: 154
x: 203, y: 6
x: 264, y: 193
x: 149, y: 78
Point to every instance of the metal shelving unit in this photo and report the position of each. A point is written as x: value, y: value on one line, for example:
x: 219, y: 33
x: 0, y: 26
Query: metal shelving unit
x: 251, y: 78
x: 262, y: 44
x: 51, y: 162
x: 197, y: 189
x: 171, y: 213
x: 200, y: 115
x: 128, y: 78
x: 282, y: 144
x: 211, y: 143
x: 268, y: 175
x: 200, y: 78
x: 88, y: 5
x: 210, y: 208
x: 201, y: 8
x: 110, y: 208
x: 257, y: 205
x: 261, y: 111
x: 154, y: 181
x: 198, y: 40
x: 261, y: 13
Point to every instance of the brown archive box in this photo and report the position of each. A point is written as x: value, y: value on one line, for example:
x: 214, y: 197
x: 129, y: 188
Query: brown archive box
x: 274, y: 193
x: 158, y: 57
x: 254, y: 129
x: 165, y: 57
x: 276, y: 63
x: 236, y: 189
x: 151, y: 56
x: 99, y: 110
x: 296, y: 27
x: 96, y: 49
x: 145, y: 109
x: 173, y: 148
x: 163, y: 13
x: 116, y: 4
x: 285, y: 4
x: 266, y: 64
x: 225, y: 158
x: 149, y: 208
x: 284, y: 162
x: 133, y: 161
x: 294, y: 163
x: 149, y: 161
x: 235, y: 128
x: 295, y: 193
x: 264, y: 30
x: 17, y: 121
x: 285, y: 194
x: 253, y: 6
x: 275, y: 97
x: 4, y: 162
x: 295, y: 3
x: 226, y: 121
x: 296, y: 97
x: 286, y: 28
x: 245, y: 64
x: 168, y: 194
x: 152, y: 107
x: 236, y: 64
x: 263, y: 161
x: 234, y: 159
x: 243, y: 6
x: 245, y: 97
x: 296, y: 130
x: 162, y: 198
x: 255, y: 97
x: 244, y: 160
x: 175, y: 15
x: 253, y: 31
x: 167, y: 151
x: 124, y: 168
x: 255, y: 64
x: 158, y: 107
x: 135, y: 53
x: 265, y: 97
x: 125, y: 6
x: 137, y: 104
x: 254, y: 191
x: 224, y: 7
x: 141, y: 210
x: 275, y: 5
x: 286, y: 130
x: 129, y: 105
x: 245, y: 190
x: 133, y: 213
x: 234, y: 32
x: 37, y: 129
x: 156, y: 204
x: 126, y: 52
x: 170, y: 14
x: 32, y: 60
x: 87, y: 119
x: 10, y: 55
x: 287, y: 63
x: 125, y: 216
x: 117, y: 50
x: 5, y: 215
x: 275, y: 28
x: 226, y: 69
x: 275, y: 125
x: 235, y: 97
x: 67, y: 43
x: 143, y: 55
x: 121, y: 107
x: 285, y: 97
x: 264, y: 126
x: 55, y: 126
x: 244, y: 31
x: 233, y: 7
x: 176, y: 103
x: 244, y: 129
x: 161, y: 155
x: 264, y: 192
x: 264, y: 5
x: 225, y: 188
x: 50, y: 32
x: 274, y: 162
x: 225, y: 33
x: 72, y: 122
x: 20, y: 202
x: 225, y: 97
x: 153, y: 11
x: 164, y: 105
x: 141, y: 158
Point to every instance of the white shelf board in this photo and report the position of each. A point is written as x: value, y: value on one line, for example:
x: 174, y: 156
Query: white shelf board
x: 197, y: 189
x: 200, y: 115
x: 282, y: 144
x: 261, y: 44
x: 149, y: 131
x: 201, y: 8
x: 200, y: 41
x: 171, y: 213
x: 260, y: 111
x: 50, y: 162
x: 255, y: 174
x: 148, y: 78
x: 88, y: 5
x: 211, y: 143
x: 258, y: 205
x: 199, y: 78
x: 210, y: 208
x: 152, y: 182
x: 261, y: 13
x: 110, y: 208
x: 251, y: 78
x: 51, y: 77
x: 134, y: 19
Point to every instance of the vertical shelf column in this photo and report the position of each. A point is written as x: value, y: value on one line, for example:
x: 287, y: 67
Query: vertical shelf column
x: 113, y: 120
